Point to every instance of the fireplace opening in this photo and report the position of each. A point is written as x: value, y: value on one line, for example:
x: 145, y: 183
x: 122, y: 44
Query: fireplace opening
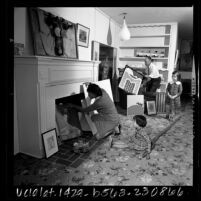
x: 69, y: 122
x: 75, y: 99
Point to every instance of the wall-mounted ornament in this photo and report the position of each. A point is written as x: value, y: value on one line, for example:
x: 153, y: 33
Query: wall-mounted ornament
x: 109, y: 35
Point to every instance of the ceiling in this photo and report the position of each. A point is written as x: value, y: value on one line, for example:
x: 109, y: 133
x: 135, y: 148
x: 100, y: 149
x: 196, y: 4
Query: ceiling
x: 141, y: 15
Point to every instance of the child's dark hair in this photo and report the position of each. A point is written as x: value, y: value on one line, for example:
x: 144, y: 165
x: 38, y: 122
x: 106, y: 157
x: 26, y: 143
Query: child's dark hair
x: 95, y: 89
x: 140, y: 120
x: 178, y: 74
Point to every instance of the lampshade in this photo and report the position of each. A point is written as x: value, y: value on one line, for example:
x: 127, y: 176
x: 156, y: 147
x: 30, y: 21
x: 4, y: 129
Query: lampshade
x: 125, y: 33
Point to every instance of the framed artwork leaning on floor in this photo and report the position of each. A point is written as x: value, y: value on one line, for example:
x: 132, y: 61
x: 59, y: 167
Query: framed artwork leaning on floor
x: 151, y: 107
x: 50, y: 142
x: 82, y: 35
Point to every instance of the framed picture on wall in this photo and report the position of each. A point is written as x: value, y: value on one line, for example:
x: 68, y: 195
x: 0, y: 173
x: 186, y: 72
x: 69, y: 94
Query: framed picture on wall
x: 82, y: 35
x: 52, y: 35
x: 50, y: 142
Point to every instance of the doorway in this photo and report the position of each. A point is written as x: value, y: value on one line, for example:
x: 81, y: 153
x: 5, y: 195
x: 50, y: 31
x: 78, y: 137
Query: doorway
x: 107, y: 67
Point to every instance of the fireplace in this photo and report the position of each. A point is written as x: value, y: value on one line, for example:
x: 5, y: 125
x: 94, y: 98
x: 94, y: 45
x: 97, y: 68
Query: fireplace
x: 69, y: 122
x: 39, y: 82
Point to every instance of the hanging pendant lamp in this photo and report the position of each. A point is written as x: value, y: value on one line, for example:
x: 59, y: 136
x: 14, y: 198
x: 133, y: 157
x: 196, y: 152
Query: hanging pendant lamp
x: 125, y: 33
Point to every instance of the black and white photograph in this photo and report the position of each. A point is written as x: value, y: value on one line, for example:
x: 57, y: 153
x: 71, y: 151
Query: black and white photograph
x: 69, y: 130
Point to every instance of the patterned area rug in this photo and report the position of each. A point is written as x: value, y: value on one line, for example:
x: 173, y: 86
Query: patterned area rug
x: 171, y: 161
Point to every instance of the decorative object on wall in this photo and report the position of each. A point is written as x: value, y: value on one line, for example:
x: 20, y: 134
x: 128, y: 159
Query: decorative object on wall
x: 82, y: 35
x: 52, y: 35
x: 95, y: 51
x: 109, y: 35
x: 151, y: 107
x: 129, y: 83
x: 18, y: 49
x: 135, y: 104
x: 69, y: 37
x: 125, y: 33
x: 50, y: 142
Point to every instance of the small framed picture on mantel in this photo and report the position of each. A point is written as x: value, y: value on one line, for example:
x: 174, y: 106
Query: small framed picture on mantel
x: 82, y: 35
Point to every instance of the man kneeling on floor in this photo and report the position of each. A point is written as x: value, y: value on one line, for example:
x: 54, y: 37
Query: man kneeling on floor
x: 139, y: 141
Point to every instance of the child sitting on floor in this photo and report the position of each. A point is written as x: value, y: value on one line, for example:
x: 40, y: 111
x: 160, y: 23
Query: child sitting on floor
x: 173, y: 102
x: 140, y: 141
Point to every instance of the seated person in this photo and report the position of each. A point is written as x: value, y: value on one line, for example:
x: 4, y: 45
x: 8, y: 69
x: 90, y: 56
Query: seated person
x: 107, y: 117
x: 139, y: 141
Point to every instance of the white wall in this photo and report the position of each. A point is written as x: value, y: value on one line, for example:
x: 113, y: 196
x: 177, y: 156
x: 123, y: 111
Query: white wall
x: 22, y: 32
x: 91, y: 17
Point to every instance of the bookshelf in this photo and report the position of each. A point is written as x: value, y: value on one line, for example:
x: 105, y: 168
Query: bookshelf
x: 157, y: 40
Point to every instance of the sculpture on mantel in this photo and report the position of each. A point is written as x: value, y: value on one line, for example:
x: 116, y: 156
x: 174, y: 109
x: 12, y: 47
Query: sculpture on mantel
x: 53, y: 35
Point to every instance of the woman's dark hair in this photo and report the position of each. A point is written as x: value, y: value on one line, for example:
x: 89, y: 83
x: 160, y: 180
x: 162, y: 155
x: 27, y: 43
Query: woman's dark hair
x: 95, y: 89
x: 140, y: 120
x: 149, y: 58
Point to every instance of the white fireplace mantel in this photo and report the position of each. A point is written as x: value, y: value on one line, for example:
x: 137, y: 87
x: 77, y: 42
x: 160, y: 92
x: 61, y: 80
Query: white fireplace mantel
x: 39, y: 81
